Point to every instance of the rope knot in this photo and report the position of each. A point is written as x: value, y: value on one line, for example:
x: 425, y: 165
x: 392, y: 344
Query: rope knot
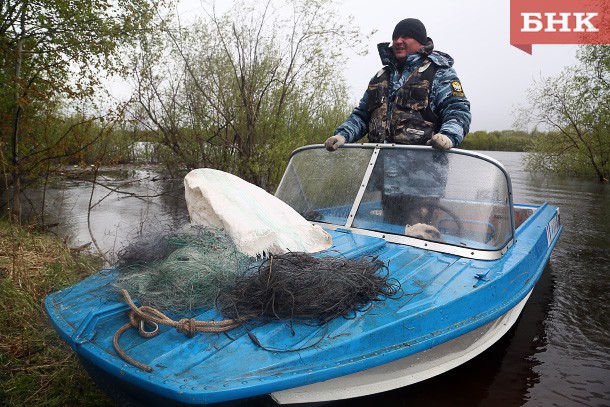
x: 187, y: 326
x: 145, y: 316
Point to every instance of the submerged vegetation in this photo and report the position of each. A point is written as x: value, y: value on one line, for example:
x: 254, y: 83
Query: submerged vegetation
x: 37, y: 367
x: 505, y: 140
x: 236, y: 90
x: 575, y: 107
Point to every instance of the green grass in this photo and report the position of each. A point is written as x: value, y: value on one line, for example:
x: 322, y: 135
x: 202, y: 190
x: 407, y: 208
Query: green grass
x: 36, y: 367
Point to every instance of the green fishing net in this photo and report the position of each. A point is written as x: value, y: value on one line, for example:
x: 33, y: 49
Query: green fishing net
x: 180, y: 270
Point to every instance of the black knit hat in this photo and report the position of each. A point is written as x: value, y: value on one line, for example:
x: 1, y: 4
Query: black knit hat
x: 412, y: 28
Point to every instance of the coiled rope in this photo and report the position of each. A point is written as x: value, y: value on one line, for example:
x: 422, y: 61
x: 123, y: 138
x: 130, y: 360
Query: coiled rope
x: 140, y: 317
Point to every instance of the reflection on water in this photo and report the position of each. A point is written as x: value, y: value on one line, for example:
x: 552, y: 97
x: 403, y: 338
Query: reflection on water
x: 573, y: 368
x: 123, y: 204
x: 557, y: 354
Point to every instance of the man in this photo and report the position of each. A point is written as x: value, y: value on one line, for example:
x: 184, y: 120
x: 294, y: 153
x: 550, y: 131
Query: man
x: 416, y: 98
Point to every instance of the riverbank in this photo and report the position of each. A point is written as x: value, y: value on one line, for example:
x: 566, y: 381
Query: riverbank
x: 37, y: 368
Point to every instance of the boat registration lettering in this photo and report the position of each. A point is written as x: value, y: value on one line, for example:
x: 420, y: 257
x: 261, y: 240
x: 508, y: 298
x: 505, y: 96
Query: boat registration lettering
x: 552, y: 228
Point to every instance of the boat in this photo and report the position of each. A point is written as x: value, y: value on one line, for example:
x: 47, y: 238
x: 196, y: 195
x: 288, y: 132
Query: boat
x: 444, y: 224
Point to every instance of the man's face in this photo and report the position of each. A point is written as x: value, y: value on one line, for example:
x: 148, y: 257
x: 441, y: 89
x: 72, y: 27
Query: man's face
x: 404, y: 45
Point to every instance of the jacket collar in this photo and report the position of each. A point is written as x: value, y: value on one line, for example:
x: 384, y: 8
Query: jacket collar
x: 388, y: 59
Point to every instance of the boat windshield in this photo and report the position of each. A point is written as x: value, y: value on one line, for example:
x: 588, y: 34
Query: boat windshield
x: 454, y: 197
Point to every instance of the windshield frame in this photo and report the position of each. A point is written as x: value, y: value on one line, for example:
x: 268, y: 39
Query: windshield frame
x: 467, y: 252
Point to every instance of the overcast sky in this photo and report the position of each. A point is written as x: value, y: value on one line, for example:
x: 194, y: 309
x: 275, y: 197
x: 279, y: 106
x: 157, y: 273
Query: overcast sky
x: 494, y: 74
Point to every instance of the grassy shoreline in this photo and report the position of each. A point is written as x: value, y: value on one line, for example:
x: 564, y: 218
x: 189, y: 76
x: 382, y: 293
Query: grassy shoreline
x: 36, y: 367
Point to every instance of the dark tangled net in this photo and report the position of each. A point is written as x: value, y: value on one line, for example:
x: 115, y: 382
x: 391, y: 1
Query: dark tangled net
x: 298, y: 286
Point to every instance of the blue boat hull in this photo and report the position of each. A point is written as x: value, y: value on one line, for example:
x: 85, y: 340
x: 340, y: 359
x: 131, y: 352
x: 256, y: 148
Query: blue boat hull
x: 445, y: 297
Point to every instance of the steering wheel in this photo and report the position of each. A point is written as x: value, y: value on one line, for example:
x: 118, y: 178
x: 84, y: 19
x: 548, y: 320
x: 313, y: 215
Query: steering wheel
x: 434, y: 210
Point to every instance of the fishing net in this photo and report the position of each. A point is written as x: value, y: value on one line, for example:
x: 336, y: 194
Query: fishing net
x: 195, y: 267
x: 246, y: 253
x: 298, y: 286
x: 180, y: 270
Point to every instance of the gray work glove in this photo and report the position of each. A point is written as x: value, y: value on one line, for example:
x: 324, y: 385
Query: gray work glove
x: 440, y: 142
x: 334, y: 142
x: 423, y: 231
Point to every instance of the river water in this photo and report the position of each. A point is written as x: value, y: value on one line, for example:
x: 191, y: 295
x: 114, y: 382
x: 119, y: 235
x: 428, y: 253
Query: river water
x: 558, y: 353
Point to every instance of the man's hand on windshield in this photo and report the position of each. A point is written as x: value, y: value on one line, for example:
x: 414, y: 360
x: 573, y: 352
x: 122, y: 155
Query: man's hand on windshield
x: 440, y: 142
x: 334, y: 142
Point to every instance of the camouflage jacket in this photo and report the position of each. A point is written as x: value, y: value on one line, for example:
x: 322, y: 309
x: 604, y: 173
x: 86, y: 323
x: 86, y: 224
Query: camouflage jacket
x: 446, y: 98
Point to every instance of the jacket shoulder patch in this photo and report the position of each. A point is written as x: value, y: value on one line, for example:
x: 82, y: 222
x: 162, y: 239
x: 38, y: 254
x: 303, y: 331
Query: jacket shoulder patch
x: 456, y: 89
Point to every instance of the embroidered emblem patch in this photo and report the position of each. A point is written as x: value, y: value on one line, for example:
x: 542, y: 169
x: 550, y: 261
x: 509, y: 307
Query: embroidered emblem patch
x: 456, y: 89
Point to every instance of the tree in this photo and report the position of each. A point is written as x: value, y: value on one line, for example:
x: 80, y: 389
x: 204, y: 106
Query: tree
x: 53, y: 52
x: 239, y: 91
x: 505, y: 140
x: 575, y: 106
